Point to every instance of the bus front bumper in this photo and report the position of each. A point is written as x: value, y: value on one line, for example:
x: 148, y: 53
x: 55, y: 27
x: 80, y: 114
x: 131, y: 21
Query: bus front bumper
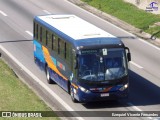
x: 91, y: 97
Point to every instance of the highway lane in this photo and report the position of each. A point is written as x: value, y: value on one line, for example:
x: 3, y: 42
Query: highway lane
x: 144, y: 81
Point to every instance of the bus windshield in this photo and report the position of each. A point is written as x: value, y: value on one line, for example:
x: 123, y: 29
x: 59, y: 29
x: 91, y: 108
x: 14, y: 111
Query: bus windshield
x: 95, y: 66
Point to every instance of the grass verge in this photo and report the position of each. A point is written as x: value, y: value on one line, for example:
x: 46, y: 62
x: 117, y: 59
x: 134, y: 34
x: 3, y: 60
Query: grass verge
x: 16, y: 96
x: 128, y: 13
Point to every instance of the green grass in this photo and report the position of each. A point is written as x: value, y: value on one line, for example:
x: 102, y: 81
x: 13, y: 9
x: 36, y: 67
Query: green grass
x: 128, y: 13
x: 16, y: 96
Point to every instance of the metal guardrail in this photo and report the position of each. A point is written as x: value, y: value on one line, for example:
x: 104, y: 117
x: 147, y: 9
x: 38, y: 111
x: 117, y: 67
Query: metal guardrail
x: 153, y: 36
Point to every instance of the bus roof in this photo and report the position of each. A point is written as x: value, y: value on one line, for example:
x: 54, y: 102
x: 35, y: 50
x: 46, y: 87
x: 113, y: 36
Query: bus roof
x: 75, y: 29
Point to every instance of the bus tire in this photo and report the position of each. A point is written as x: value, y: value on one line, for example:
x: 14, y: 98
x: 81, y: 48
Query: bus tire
x: 72, y: 95
x: 34, y: 59
x: 49, y: 80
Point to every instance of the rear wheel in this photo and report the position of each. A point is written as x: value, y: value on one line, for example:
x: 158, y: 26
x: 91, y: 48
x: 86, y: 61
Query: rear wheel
x: 34, y: 59
x: 49, y: 80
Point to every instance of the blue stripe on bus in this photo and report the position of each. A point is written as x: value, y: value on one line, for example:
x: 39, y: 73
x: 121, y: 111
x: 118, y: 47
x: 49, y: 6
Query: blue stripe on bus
x: 39, y: 53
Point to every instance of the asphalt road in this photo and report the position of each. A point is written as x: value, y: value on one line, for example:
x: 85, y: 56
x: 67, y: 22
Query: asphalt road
x: 16, y: 21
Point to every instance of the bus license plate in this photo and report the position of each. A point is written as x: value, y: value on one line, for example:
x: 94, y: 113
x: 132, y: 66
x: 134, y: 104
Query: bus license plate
x: 104, y: 94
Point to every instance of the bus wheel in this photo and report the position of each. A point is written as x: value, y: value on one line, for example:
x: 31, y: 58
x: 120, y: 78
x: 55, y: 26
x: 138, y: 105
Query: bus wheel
x: 72, y: 95
x: 48, y: 76
x: 35, y: 59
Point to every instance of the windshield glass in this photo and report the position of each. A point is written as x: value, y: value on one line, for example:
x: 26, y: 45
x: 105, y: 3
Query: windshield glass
x: 96, y: 66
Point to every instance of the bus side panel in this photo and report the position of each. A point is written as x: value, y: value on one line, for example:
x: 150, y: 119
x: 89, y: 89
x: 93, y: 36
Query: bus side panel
x: 38, y: 55
x: 42, y: 57
x: 63, y: 67
x: 59, y: 80
x: 63, y: 82
x: 56, y: 75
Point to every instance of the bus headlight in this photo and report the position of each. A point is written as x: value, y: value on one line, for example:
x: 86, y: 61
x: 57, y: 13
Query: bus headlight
x: 124, y: 87
x: 83, y: 89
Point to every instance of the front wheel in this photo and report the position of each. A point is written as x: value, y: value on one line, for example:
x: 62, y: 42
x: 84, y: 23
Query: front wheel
x: 72, y: 95
x: 49, y: 80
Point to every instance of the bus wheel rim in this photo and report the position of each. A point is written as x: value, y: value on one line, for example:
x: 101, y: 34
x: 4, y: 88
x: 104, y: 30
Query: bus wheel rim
x: 72, y: 96
x: 48, y: 77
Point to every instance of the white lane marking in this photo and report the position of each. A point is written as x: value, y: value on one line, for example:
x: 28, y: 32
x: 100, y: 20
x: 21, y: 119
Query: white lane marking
x: 4, y: 14
x: 132, y: 35
x: 46, y: 11
x: 136, y: 108
x: 31, y: 34
x: 149, y: 44
x: 53, y: 94
x: 136, y: 64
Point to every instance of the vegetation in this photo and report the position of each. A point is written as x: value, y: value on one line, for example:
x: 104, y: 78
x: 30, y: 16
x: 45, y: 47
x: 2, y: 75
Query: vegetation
x: 128, y: 13
x: 15, y: 96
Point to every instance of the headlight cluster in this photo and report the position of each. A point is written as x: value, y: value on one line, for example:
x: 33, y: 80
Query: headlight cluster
x: 84, y: 90
x: 124, y: 87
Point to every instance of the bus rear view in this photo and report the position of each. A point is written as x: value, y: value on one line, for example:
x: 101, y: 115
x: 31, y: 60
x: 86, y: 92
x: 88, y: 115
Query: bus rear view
x: 87, y: 62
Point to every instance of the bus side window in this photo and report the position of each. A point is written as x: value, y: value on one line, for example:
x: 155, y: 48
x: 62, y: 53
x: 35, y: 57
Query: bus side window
x: 34, y: 29
x: 55, y: 44
x: 62, y: 47
x: 52, y: 41
x: 65, y: 50
x: 40, y: 34
x: 73, y: 62
x: 37, y: 31
x: 59, y: 45
x: 43, y: 36
x: 49, y: 38
x: 46, y: 38
x: 69, y: 54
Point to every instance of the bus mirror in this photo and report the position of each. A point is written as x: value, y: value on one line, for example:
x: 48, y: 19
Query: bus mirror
x: 129, y: 56
x: 76, y: 65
